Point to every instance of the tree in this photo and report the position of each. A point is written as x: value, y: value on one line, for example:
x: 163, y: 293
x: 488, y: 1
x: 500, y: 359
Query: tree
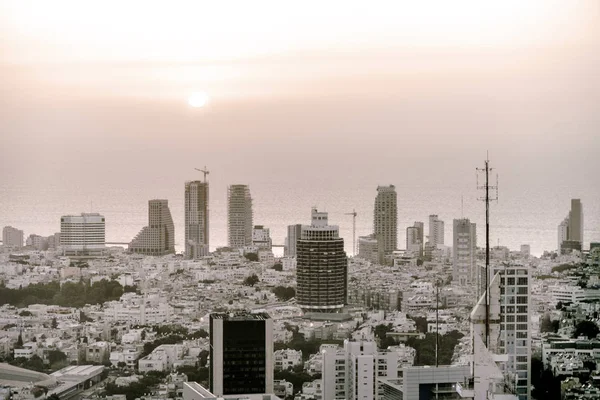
x: 284, y: 293
x: 19, y: 341
x: 251, y: 280
x: 420, y: 322
x: 251, y: 256
x: 25, y: 313
x: 54, y: 323
x: 547, y: 324
x: 55, y: 356
x: 559, y: 305
x: 586, y: 328
x: 278, y: 267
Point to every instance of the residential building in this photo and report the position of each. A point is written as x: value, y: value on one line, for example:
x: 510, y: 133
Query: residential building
x: 385, y: 218
x: 293, y: 235
x: 464, y: 266
x: 158, y: 238
x: 12, y: 237
x: 285, y: 359
x: 241, y: 353
x: 239, y: 216
x: 37, y: 242
x: 421, y: 227
x: 261, y: 238
x: 321, y: 266
x: 571, y: 228
x: 196, y: 219
x: 352, y: 372
x: 424, y: 383
x: 436, y: 230
x: 82, y: 235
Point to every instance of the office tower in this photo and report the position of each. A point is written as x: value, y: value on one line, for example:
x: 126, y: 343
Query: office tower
x: 353, y: 372
x: 436, y: 230
x: 293, y: 234
x: 368, y: 248
x: 196, y: 219
x: 158, y: 238
x: 421, y: 229
x: 37, y: 242
x: 241, y: 353
x: 464, y: 266
x: 570, y: 229
x: 261, y: 238
x: 414, y: 245
x: 12, y: 237
x: 385, y: 218
x: 239, y: 216
x: 83, y: 234
x: 321, y: 266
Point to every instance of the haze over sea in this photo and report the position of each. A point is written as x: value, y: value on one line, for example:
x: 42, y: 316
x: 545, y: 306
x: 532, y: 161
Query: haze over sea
x: 523, y: 215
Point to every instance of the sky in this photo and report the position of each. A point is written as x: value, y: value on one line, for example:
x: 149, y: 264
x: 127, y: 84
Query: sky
x: 95, y: 93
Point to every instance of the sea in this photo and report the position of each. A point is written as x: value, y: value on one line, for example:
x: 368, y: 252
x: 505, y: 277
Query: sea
x: 521, y: 215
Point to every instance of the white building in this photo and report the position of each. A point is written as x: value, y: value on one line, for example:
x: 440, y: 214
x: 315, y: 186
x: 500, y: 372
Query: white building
x: 12, y: 237
x: 574, y: 294
x: 83, y: 234
x: 464, y: 266
x: 352, y: 372
x: 436, y: 230
x: 287, y: 358
x: 261, y: 238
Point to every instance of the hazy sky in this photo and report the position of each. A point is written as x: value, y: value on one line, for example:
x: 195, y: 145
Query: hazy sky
x: 377, y: 92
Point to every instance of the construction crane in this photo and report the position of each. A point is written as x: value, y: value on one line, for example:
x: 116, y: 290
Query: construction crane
x: 204, y: 171
x: 354, y: 214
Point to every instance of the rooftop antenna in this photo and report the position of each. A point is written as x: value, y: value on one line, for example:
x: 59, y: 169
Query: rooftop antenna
x: 462, y: 206
x: 204, y: 171
x: 354, y: 214
x: 486, y: 186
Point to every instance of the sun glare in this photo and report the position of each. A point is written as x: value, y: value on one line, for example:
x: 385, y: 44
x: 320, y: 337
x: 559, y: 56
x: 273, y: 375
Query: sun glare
x: 198, y: 99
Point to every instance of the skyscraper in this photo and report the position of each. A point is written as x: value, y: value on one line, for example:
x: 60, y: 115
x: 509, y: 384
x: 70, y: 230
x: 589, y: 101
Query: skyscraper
x: 82, y: 235
x: 385, y: 218
x: 322, y: 266
x: 571, y: 228
x: 515, y: 317
x: 241, y: 353
x: 413, y: 241
x: 12, y: 237
x: 436, y: 230
x: 293, y: 234
x: 464, y: 252
x: 196, y: 219
x: 158, y: 238
x: 239, y: 216
x: 421, y: 227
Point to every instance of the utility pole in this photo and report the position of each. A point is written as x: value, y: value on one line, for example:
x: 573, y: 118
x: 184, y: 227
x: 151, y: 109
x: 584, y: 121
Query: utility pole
x: 486, y: 186
x: 354, y: 214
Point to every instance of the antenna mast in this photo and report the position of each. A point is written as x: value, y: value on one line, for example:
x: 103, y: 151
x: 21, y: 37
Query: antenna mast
x: 486, y: 170
x: 354, y: 214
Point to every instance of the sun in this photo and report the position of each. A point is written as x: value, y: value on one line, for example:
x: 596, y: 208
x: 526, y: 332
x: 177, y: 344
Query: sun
x: 198, y: 99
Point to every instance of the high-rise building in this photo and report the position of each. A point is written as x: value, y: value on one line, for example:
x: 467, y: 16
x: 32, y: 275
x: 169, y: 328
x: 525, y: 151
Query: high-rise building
x: 464, y: 271
x: 37, y: 242
x: 421, y: 227
x: 241, y: 353
x: 261, y: 238
x: 83, y: 234
x: 196, y: 219
x: 385, y: 218
x: 354, y: 372
x: 293, y: 234
x: 413, y: 241
x: 239, y: 216
x: 368, y: 249
x: 321, y: 266
x: 12, y: 237
x: 436, y: 230
x: 571, y: 228
x: 158, y: 238
x: 501, y: 337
